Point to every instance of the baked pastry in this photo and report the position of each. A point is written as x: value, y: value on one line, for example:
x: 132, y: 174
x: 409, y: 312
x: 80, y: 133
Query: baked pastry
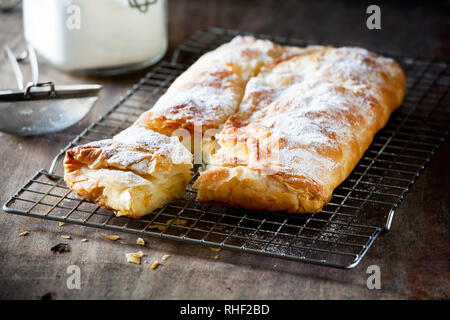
x: 201, y: 99
x: 133, y: 174
x: 301, y: 128
x: 209, y: 91
x: 280, y: 128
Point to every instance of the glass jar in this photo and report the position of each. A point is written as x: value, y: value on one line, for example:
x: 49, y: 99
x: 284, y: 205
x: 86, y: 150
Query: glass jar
x: 97, y: 37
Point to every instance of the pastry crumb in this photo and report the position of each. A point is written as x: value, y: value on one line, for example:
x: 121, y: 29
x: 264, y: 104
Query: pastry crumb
x: 111, y: 237
x: 157, y: 226
x: 140, y: 241
x: 84, y: 240
x: 22, y: 234
x: 176, y: 222
x: 123, y: 242
x: 61, y: 224
x: 165, y: 257
x: 215, y: 249
x: 216, y: 256
x: 65, y: 236
x: 155, y: 265
x: 134, y: 257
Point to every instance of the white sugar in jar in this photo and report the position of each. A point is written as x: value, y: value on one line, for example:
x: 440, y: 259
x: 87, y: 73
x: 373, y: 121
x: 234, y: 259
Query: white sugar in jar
x: 97, y: 36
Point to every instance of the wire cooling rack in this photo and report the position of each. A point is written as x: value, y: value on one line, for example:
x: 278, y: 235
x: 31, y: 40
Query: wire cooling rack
x: 360, y: 210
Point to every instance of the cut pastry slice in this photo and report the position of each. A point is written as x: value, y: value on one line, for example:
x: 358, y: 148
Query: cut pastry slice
x: 302, y: 127
x: 133, y: 174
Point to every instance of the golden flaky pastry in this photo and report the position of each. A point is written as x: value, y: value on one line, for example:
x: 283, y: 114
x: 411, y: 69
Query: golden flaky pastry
x: 282, y: 128
x: 301, y: 128
x: 209, y: 92
x: 133, y: 174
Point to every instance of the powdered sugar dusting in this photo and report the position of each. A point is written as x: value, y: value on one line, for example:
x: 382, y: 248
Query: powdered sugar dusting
x: 314, y: 106
x: 136, y: 147
x: 198, y: 104
x: 157, y: 143
x: 211, y: 89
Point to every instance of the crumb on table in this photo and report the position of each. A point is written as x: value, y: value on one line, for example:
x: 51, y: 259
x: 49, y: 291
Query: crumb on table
x: 155, y: 265
x: 111, y: 237
x: 134, y: 257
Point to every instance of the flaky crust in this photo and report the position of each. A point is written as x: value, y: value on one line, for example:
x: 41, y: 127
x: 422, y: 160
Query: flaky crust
x: 301, y: 128
x: 134, y: 173
x: 211, y: 89
x: 289, y: 124
x: 243, y: 187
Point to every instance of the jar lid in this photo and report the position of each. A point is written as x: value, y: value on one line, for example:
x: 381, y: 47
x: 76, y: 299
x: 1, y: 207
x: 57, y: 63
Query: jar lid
x: 141, y: 5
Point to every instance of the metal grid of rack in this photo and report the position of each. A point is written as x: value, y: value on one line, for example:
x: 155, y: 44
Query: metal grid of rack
x: 361, y: 208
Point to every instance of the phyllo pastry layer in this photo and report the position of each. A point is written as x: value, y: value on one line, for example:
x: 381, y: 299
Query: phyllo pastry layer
x: 133, y: 173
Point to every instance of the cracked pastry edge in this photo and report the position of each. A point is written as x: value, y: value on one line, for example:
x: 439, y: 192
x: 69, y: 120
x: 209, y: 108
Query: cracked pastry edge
x: 132, y: 178
x: 243, y: 187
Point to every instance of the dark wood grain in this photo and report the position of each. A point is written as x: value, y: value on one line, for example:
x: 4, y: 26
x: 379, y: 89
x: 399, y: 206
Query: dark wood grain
x: 413, y: 257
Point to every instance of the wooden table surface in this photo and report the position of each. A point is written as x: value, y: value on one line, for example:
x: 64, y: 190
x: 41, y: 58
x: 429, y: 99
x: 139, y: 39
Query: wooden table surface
x: 413, y: 257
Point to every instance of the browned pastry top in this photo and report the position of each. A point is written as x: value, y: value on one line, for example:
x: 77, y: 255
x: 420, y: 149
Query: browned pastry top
x: 305, y: 121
